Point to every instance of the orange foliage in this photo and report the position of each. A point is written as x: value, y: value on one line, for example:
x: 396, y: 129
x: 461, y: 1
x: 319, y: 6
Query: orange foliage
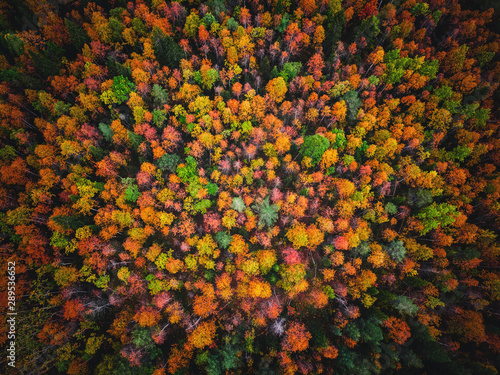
x: 296, y: 338
x: 202, y: 335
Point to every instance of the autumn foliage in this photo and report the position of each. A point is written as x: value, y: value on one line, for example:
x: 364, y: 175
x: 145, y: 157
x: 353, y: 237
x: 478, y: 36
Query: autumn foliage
x: 259, y: 187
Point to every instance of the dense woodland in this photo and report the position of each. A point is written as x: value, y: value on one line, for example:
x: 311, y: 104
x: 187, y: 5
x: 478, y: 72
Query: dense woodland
x: 251, y: 187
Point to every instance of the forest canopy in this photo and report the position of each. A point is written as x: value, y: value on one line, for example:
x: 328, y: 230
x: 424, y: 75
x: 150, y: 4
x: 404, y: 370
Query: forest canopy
x: 251, y: 187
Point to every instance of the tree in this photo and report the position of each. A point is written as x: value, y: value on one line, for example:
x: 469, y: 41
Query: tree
x: 314, y: 147
x: 396, y: 251
x: 159, y: 95
x: 77, y: 34
x: 202, y: 335
x: 276, y: 88
x: 405, y: 305
x: 296, y: 338
x: 268, y: 213
x: 419, y: 197
x: 167, y: 51
x: 437, y: 215
x: 399, y: 331
x: 353, y: 103
x: 168, y: 162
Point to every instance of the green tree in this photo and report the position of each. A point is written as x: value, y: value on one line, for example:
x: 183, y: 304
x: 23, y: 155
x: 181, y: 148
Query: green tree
x: 437, y: 215
x: 353, y: 103
x: 167, y: 51
x: 107, y: 132
x: 168, y: 162
x: 268, y: 213
x: 290, y: 70
x: 314, y: 146
x: 238, y: 204
x: 396, y: 251
x: 405, y: 305
x: 77, y: 34
x: 223, y: 239
x: 419, y: 197
x: 159, y: 95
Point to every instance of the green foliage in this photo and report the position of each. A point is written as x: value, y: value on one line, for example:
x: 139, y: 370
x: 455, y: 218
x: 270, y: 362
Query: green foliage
x: 333, y: 31
x: 203, y: 205
x: 231, y: 353
x: 141, y: 337
x: 420, y: 9
x: 135, y: 139
x: 207, y: 82
x: 12, y: 43
x: 58, y: 240
x: 213, y: 366
x: 238, y: 204
x: 223, y: 239
x: 284, y: 23
x: 47, y: 63
x: 437, y: 215
x: 373, y: 80
x: 396, y: 251
x: 8, y: 153
x: 318, y: 333
x: 405, y: 305
x: 362, y: 250
x: 268, y: 213
x: 353, y: 103
x: 340, y: 140
x: 347, y: 360
x: 159, y: 95
x: 351, y: 330
x: 290, y: 70
x: 369, y: 29
x: 481, y: 116
x: 232, y: 24
x: 132, y: 193
x: 410, y: 359
x: 212, y: 188
x: 436, y: 15
x: 121, y: 88
x: 217, y: 6
x: 61, y: 108
x: 468, y: 253
x: 444, y: 92
x: 370, y: 331
x: 117, y: 13
x: 391, y: 208
x: 72, y: 222
x: 116, y: 29
x: 102, y: 282
x: 429, y: 68
x: 314, y: 147
x: 189, y: 171
x: 159, y: 117
x: 168, y: 162
x: 167, y: 51
x: 419, y: 197
x: 329, y: 292
x: 154, y: 285
x: 459, y: 153
x: 208, y: 20
x: 9, y: 75
x: 397, y: 66
x: 138, y: 26
x: 427, y: 347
